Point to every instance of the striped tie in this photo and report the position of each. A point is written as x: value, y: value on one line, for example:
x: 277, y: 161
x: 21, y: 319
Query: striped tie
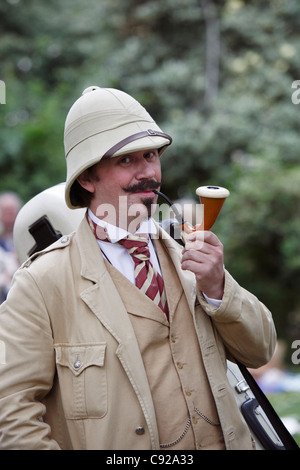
x: 147, y: 279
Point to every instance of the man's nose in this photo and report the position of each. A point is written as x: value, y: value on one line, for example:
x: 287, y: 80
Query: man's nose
x: 145, y: 170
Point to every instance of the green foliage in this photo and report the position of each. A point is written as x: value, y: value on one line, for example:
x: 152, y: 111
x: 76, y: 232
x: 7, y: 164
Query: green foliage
x: 260, y: 230
x: 216, y: 76
x: 286, y: 406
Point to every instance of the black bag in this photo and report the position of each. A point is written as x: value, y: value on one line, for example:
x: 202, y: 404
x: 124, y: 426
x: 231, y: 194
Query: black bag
x: 267, y: 429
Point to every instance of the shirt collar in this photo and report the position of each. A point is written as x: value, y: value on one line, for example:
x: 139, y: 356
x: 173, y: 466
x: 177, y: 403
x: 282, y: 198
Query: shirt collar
x: 116, y: 233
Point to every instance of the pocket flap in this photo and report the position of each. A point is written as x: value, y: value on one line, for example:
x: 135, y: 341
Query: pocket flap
x: 77, y: 357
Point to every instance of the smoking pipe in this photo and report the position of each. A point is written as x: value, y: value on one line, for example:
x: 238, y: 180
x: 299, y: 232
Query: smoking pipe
x: 212, y: 197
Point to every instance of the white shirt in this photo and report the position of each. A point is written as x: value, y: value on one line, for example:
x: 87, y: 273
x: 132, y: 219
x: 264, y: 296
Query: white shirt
x: 118, y: 255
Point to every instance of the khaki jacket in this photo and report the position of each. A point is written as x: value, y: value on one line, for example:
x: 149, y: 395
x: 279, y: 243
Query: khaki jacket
x: 72, y: 376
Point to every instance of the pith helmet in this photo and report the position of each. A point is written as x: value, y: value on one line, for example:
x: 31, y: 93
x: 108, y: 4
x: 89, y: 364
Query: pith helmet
x: 44, y: 219
x: 105, y: 122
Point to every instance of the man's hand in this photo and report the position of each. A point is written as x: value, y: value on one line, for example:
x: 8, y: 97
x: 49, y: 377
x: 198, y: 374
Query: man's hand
x: 203, y: 255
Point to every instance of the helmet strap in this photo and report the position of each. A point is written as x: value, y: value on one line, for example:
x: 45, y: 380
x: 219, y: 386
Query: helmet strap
x: 133, y: 137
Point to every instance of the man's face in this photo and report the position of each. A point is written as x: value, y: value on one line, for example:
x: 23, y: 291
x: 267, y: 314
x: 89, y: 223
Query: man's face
x: 126, y: 183
x: 8, y: 212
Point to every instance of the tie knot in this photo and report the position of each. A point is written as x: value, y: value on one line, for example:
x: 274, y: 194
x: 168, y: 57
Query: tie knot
x: 137, y: 247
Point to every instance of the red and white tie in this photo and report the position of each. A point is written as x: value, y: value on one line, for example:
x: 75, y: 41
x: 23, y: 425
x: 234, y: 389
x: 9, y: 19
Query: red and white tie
x: 147, y: 279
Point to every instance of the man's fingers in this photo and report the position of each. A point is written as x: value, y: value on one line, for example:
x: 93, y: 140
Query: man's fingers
x: 202, y: 241
x: 204, y: 236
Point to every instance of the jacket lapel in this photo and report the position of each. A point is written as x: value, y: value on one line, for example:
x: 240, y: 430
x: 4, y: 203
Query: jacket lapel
x: 101, y: 294
x: 135, y: 302
x: 187, y: 278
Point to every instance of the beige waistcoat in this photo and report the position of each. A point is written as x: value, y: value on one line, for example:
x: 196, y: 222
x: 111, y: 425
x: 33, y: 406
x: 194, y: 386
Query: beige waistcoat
x: 185, y: 410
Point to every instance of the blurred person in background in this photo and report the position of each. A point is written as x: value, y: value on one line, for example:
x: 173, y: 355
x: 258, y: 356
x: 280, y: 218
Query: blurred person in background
x: 10, y: 204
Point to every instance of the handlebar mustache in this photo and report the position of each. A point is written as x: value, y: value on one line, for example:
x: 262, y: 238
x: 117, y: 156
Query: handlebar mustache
x: 147, y: 185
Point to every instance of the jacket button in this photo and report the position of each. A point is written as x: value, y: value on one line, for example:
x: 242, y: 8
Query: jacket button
x: 139, y: 430
x: 77, y: 364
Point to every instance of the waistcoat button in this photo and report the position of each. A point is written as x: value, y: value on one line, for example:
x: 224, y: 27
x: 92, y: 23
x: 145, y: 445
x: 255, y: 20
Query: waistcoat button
x: 139, y: 430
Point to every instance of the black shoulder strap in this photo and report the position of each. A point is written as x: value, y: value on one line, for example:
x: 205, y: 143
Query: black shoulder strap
x: 284, y: 435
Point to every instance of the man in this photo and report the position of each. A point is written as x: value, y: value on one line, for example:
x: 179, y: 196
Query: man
x: 10, y: 205
x: 93, y: 361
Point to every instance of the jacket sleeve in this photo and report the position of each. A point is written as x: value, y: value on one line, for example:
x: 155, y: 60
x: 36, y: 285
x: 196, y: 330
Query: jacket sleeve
x: 27, y: 367
x: 244, y: 323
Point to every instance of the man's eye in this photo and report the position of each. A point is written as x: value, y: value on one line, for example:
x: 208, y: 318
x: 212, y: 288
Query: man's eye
x: 125, y: 160
x: 150, y: 155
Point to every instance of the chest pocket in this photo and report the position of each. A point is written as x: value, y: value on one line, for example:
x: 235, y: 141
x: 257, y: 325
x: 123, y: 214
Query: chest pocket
x: 82, y: 379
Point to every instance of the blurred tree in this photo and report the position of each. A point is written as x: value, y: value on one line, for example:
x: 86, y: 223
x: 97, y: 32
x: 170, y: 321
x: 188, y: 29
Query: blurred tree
x: 42, y: 56
x: 216, y: 75
x: 260, y: 228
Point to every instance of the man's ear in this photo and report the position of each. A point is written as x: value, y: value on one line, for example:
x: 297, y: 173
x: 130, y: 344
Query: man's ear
x: 86, y: 181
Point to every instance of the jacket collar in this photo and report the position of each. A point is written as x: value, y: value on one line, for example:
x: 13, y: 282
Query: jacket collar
x: 92, y: 263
